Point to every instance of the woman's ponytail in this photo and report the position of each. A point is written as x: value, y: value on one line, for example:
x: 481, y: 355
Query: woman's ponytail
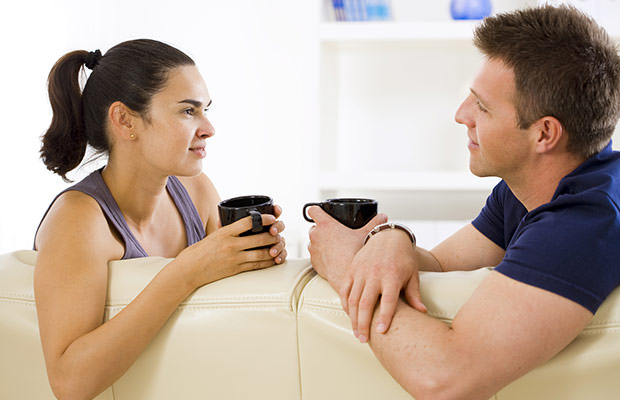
x: 64, y: 143
x: 131, y: 72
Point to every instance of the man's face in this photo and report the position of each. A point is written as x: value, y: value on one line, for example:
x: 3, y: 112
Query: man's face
x: 496, y: 145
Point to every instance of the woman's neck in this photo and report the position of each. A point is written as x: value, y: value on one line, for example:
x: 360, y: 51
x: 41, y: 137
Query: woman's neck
x: 138, y: 193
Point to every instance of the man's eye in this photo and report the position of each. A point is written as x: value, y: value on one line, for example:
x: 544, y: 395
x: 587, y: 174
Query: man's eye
x: 481, y: 107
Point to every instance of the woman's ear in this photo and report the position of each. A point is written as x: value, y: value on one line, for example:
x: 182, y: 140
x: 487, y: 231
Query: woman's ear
x: 550, y: 135
x: 122, y: 121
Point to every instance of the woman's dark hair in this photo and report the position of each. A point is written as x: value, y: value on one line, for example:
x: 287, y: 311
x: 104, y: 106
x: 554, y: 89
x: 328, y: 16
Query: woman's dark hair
x: 130, y: 72
x: 565, y: 66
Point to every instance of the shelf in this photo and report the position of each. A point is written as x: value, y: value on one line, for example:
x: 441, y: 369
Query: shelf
x: 390, y: 30
x: 411, y: 181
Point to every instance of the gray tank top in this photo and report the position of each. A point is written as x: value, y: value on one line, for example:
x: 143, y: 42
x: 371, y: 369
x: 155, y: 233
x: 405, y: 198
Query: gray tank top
x: 94, y: 186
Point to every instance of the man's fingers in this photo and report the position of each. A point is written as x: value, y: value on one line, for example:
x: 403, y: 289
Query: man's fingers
x: 387, y: 307
x: 412, y: 294
x: 365, y: 311
x: 345, y: 291
x: 377, y: 219
x: 318, y: 215
x: 353, y: 301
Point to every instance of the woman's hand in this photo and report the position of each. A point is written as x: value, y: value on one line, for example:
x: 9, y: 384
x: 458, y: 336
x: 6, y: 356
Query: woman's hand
x: 224, y: 253
x: 278, y: 251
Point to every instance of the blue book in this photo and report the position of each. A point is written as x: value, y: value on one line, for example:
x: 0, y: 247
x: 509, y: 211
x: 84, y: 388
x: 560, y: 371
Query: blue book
x: 339, y: 9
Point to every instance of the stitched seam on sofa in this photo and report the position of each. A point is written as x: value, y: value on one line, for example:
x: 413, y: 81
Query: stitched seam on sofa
x: 603, y: 323
x: 282, y: 297
x: 220, y: 300
x: 298, y: 342
x: 269, y: 307
x: 598, y: 331
x: 278, y: 306
x: 28, y: 303
x: 18, y: 296
x: 319, y: 305
x: 304, y: 279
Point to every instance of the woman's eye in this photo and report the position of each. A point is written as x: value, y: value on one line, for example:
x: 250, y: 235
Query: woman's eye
x: 189, y: 111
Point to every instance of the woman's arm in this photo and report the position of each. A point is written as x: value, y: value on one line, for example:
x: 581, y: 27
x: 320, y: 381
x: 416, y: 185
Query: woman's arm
x: 83, y: 354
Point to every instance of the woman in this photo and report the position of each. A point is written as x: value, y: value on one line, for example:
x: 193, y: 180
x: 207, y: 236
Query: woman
x: 144, y: 105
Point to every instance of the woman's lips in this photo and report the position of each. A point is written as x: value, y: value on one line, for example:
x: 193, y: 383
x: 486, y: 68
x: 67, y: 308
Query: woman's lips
x: 199, y: 151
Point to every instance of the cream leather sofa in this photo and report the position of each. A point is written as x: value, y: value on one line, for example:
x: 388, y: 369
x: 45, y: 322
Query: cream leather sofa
x: 278, y: 333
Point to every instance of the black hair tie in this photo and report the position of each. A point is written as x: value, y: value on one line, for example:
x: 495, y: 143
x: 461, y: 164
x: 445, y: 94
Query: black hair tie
x: 92, y: 59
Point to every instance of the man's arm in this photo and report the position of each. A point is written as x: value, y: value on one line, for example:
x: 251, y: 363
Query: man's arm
x: 466, y: 250
x: 389, y: 263
x: 506, y: 329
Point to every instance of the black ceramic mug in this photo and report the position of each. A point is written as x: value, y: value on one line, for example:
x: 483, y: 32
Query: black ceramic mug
x: 236, y: 208
x: 353, y: 213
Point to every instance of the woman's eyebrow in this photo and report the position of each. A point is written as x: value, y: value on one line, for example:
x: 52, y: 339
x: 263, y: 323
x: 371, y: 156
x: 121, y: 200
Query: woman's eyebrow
x: 195, y: 103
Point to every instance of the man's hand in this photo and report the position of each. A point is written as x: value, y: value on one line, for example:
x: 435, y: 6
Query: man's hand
x: 333, y: 245
x: 379, y: 271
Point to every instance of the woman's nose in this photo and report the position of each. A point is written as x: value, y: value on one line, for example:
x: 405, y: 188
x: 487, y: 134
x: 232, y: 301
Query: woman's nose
x: 205, y: 130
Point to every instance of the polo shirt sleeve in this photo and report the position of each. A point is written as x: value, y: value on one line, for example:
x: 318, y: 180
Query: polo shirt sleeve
x: 565, y: 249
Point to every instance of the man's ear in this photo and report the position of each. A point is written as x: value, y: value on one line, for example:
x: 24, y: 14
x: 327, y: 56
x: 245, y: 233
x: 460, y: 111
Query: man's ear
x: 550, y: 134
x: 122, y: 121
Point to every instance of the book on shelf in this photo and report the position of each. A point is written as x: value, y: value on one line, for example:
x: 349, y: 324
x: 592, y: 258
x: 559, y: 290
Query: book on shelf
x: 361, y: 10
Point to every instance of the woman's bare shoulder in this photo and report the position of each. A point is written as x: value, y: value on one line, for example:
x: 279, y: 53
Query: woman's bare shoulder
x: 75, y: 221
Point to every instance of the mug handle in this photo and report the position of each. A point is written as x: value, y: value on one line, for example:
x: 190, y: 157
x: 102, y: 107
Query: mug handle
x: 306, y: 217
x: 257, y: 221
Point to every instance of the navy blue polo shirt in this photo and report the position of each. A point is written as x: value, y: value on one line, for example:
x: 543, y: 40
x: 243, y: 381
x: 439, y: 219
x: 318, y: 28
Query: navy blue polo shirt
x: 569, y: 246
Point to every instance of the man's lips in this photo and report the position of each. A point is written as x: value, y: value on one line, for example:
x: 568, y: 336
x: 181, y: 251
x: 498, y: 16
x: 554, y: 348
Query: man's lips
x: 472, y: 144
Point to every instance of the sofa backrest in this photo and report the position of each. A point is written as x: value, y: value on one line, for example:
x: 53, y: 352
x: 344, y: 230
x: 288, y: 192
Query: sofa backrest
x: 278, y: 333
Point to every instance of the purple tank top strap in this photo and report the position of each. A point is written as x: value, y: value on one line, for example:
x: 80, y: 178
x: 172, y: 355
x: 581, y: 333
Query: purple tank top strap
x: 194, y: 228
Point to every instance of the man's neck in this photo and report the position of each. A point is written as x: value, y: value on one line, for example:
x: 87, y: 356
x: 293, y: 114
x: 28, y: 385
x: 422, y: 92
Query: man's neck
x: 537, y: 184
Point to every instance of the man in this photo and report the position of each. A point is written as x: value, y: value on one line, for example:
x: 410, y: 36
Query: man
x: 540, y: 115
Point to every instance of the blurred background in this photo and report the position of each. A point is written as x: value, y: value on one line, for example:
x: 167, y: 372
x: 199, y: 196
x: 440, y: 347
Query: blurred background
x: 326, y: 106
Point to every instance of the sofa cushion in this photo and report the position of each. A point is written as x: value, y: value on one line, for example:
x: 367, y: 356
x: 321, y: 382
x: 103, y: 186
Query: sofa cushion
x: 234, y: 338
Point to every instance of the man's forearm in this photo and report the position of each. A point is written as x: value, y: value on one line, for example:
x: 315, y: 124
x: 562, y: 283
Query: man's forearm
x: 420, y: 352
x: 427, y: 261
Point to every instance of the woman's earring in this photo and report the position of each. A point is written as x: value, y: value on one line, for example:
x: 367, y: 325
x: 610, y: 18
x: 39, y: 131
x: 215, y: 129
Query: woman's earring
x: 132, y: 136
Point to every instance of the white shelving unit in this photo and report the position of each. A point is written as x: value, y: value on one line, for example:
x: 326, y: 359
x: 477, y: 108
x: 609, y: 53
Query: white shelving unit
x: 387, y: 94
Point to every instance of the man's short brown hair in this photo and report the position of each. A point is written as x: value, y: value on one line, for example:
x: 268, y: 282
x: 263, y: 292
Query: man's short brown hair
x: 565, y: 66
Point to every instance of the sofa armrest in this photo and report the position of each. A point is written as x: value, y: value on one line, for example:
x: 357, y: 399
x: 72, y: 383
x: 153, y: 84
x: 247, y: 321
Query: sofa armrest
x: 335, y: 365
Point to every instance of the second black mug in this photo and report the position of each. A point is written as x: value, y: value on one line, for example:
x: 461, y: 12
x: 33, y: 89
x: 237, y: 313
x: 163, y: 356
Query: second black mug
x: 351, y: 212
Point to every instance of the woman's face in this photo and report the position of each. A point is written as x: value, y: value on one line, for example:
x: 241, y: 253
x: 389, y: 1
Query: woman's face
x: 172, y: 139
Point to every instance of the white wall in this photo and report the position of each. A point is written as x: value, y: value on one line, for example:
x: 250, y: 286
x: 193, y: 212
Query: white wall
x: 259, y: 59
x: 256, y: 57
